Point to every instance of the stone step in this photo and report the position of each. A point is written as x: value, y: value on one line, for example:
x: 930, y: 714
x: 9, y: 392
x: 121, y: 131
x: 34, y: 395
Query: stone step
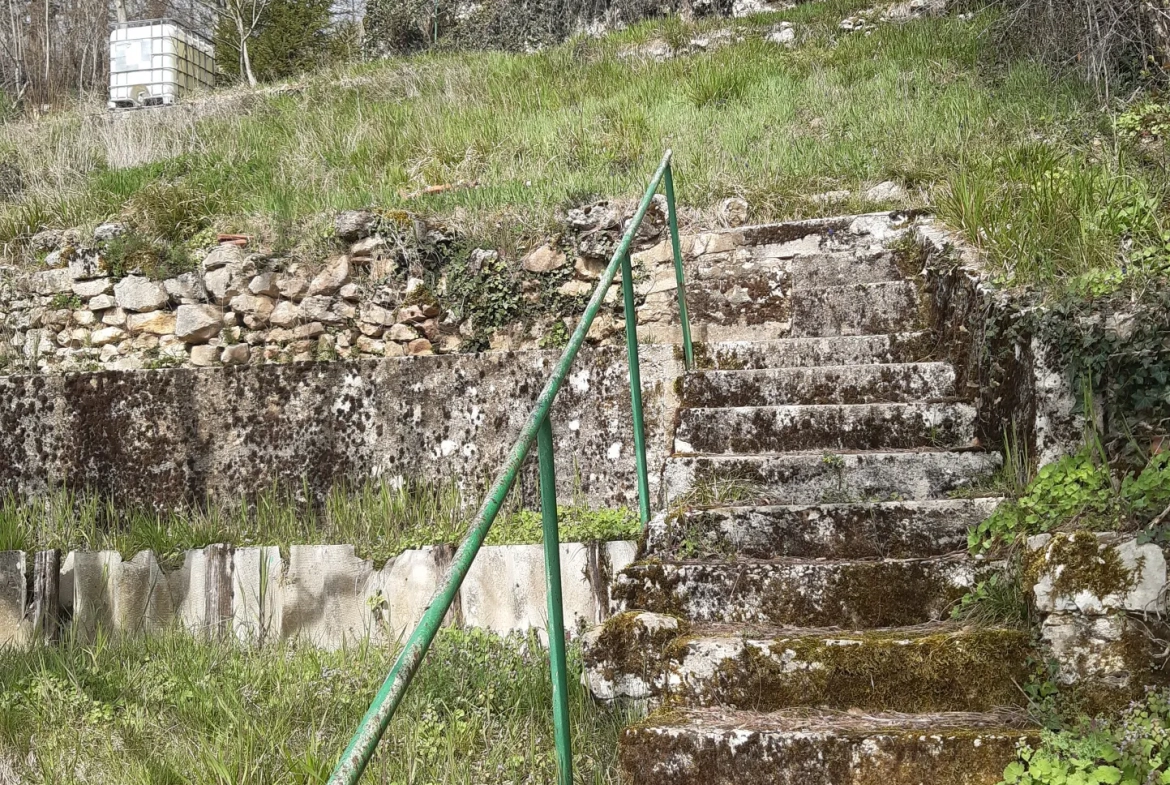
x: 860, y: 594
x: 803, y: 747
x: 765, y: 308
x: 898, y: 530
x: 855, y: 309
x: 750, y: 430
x: 937, y: 667
x: 841, y: 384
x: 815, y: 478
x: 807, y: 352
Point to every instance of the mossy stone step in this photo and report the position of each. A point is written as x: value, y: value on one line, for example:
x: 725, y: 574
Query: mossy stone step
x: 903, y: 347
x: 937, y: 667
x: 838, y: 384
x: 749, y: 430
x: 857, y: 594
x: 816, y: 477
x: 719, y: 747
x: 855, y: 309
x: 897, y: 529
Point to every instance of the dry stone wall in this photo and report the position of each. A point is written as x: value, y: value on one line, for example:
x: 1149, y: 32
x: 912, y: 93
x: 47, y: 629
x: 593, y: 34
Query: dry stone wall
x: 89, y: 308
x: 323, y: 595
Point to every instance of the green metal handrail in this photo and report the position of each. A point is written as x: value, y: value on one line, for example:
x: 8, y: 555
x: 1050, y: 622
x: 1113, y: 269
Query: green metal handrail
x: 538, y: 428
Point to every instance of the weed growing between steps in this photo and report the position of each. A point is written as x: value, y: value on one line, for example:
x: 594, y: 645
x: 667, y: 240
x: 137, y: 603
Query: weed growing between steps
x: 177, y: 709
x: 379, y: 518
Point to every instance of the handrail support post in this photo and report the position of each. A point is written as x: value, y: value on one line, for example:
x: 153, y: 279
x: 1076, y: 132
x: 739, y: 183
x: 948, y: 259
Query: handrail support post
x: 636, y: 390
x: 556, y: 618
x: 683, y: 318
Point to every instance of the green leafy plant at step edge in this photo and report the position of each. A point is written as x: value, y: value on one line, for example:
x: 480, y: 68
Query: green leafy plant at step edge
x: 1132, y: 750
x: 1078, y: 488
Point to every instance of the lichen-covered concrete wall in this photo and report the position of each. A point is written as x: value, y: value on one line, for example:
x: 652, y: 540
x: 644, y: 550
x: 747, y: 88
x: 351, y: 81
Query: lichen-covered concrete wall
x: 182, y: 436
x: 323, y: 595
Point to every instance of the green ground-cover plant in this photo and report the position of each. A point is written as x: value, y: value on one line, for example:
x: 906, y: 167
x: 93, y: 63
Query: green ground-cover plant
x: 1133, y: 749
x: 174, y: 708
x: 1004, y: 147
x: 1081, y: 490
x: 381, y: 519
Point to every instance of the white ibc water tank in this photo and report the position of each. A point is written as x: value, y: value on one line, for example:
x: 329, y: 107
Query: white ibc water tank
x: 155, y: 62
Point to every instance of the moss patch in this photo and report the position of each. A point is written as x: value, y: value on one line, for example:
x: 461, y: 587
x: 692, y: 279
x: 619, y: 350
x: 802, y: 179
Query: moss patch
x: 1081, y: 562
x: 974, y: 670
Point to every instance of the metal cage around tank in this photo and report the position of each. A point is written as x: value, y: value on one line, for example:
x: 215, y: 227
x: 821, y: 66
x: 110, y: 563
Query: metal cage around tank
x: 155, y: 62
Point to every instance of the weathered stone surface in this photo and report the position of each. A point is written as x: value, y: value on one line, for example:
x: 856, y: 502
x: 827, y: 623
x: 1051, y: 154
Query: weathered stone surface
x: 95, y: 576
x: 319, y: 308
x: 103, y: 233
x: 841, y: 385
x: 102, y: 302
x: 138, y: 294
x: 223, y: 256
x: 1097, y: 574
x: 49, y: 282
x: 94, y: 288
x: 264, y: 284
x: 258, y: 308
x: 106, y: 336
x: 418, y: 347
x: 770, y: 429
x: 323, y: 596
x: 137, y: 436
x: 544, y: 259
x: 187, y: 287
x: 850, y: 594
x: 153, y: 323
x: 402, y: 333
x: 203, y: 356
x: 374, y: 314
x: 141, y: 595
x: 887, y: 191
x: 236, y: 354
x: 285, y: 314
x: 925, y: 669
x: 292, y: 287
x: 505, y: 591
x: 84, y: 266
x: 115, y: 317
x: 224, y: 283
x: 331, y: 278
x: 197, y: 323
x: 895, y: 530
x: 1091, y: 649
x: 355, y: 224
x: 806, y: 747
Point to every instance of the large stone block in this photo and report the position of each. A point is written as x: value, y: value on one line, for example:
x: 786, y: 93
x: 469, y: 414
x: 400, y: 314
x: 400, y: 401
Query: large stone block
x: 1096, y: 573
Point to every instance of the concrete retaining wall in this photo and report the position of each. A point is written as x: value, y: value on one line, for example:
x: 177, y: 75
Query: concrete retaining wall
x: 320, y: 594
x: 183, y: 436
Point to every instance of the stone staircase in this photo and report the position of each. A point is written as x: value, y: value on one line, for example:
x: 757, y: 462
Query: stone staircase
x: 788, y: 618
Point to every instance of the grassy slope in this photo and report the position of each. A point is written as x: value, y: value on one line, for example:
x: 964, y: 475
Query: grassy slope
x: 175, y: 709
x: 919, y: 102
